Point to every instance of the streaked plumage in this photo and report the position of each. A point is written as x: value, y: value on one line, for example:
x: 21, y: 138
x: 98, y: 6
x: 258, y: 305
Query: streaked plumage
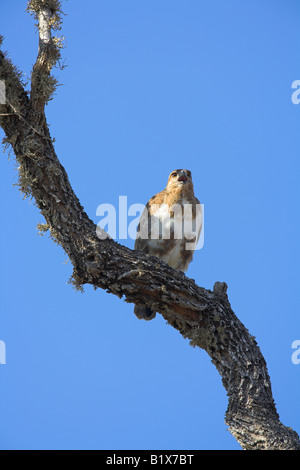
x: 170, y: 226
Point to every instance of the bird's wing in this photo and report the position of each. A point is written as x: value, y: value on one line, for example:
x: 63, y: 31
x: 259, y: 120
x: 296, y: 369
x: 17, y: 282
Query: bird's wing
x: 142, y: 234
x: 144, y: 228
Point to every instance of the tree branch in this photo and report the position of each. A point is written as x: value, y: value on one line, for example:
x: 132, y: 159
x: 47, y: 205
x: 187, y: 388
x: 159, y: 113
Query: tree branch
x: 43, y: 84
x: 204, y: 317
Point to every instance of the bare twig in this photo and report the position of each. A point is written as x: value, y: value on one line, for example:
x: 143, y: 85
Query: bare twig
x: 43, y: 84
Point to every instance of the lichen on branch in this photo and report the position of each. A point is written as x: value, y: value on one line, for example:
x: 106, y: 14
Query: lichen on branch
x: 49, y: 18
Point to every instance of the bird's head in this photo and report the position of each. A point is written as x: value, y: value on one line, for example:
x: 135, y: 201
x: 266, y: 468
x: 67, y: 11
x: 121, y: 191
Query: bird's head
x: 180, y: 179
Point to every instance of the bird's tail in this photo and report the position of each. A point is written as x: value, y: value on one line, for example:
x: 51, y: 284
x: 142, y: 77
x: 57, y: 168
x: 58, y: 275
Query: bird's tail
x: 144, y: 313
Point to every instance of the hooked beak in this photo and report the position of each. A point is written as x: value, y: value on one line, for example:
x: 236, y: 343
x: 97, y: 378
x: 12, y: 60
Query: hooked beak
x: 183, y: 177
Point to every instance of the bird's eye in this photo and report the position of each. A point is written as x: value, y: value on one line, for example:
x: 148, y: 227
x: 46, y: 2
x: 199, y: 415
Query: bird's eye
x: 174, y: 174
x: 189, y: 174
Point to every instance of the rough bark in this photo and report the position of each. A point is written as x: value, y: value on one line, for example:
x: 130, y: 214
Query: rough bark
x: 204, y: 317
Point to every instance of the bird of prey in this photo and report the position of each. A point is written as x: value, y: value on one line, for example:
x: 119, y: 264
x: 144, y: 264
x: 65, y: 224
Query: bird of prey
x: 170, y: 226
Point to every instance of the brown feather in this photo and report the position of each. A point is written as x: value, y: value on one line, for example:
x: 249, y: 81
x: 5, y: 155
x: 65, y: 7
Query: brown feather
x: 159, y: 217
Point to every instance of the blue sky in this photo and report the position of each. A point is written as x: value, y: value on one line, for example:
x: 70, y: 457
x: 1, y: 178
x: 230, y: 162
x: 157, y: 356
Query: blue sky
x: 149, y: 87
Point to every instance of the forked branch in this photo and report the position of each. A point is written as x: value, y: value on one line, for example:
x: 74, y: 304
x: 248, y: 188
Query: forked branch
x: 43, y: 84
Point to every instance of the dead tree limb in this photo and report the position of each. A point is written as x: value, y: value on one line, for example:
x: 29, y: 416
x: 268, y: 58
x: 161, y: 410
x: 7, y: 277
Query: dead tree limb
x: 204, y: 317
